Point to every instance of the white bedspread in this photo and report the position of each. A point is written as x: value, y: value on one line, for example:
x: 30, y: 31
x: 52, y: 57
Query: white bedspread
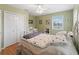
x: 41, y: 40
x: 44, y: 40
x: 68, y: 49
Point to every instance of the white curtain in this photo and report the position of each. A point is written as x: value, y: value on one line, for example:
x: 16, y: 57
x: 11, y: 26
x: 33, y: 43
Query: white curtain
x: 0, y: 30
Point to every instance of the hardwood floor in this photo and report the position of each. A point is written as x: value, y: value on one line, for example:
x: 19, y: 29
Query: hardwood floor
x: 10, y: 50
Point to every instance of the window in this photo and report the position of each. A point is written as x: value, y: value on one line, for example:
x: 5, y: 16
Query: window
x: 57, y: 22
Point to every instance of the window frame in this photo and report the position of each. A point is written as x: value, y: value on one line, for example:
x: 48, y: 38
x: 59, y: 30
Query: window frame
x: 55, y: 27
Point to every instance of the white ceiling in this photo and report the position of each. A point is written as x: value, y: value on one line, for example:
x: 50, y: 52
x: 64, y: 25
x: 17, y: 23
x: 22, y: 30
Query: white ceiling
x: 49, y: 8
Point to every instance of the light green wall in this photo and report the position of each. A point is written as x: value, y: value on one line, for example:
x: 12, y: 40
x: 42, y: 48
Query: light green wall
x: 33, y: 18
x: 13, y: 9
x: 75, y: 14
x: 6, y: 7
x: 43, y: 26
x: 68, y: 21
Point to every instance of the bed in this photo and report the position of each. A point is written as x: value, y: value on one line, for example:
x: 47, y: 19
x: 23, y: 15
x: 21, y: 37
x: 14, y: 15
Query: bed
x: 45, y: 44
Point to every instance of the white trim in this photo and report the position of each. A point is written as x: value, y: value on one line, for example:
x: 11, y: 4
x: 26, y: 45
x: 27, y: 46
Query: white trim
x: 53, y: 22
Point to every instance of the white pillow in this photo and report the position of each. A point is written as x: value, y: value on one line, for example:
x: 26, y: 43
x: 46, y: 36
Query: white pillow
x: 70, y: 33
x: 61, y: 33
x: 59, y: 39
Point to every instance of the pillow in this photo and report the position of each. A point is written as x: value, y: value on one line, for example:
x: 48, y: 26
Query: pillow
x: 61, y: 33
x: 58, y: 44
x: 70, y: 33
x: 30, y: 35
x: 58, y: 39
x: 61, y: 38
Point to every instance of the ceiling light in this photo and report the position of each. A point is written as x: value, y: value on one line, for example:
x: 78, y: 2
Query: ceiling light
x: 40, y: 9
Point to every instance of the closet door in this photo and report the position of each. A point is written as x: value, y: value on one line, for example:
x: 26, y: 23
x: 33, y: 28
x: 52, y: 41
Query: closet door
x: 15, y: 26
x: 21, y: 28
x: 9, y: 29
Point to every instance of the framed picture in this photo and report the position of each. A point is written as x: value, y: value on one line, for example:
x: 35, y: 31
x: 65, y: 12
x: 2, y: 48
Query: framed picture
x: 30, y: 21
x: 47, y: 22
x: 40, y: 21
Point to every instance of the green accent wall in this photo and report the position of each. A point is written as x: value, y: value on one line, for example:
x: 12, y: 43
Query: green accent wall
x: 33, y: 18
x: 68, y: 21
x: 7, y: 7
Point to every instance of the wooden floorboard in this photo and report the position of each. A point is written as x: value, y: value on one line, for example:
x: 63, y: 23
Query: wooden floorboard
x: 10, y: 50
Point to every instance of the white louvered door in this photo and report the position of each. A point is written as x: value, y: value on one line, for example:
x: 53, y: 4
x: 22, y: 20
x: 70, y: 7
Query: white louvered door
x: 9, y: 29
x: 14, y: 27
x: 21, y: 26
